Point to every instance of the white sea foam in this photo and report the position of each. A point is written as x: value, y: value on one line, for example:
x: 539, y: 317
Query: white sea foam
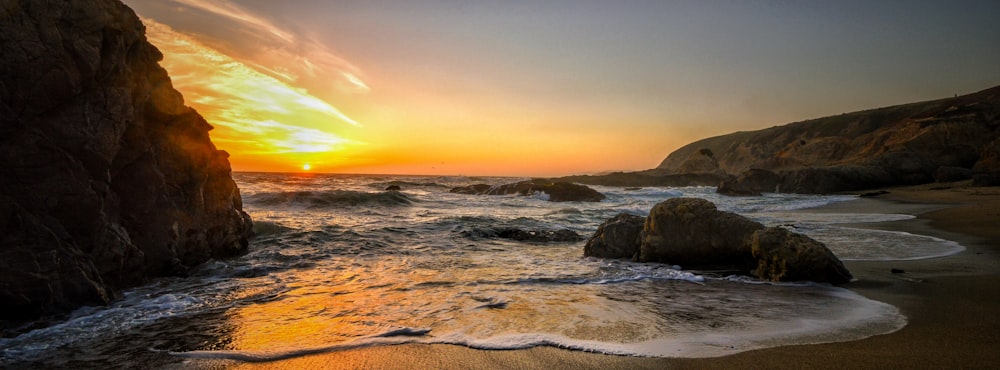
x: 859, y: 318
x: 881, y: 245
x: 339, y: 263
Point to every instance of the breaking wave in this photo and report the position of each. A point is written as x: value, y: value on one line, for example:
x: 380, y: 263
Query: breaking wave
x: 329, y: 199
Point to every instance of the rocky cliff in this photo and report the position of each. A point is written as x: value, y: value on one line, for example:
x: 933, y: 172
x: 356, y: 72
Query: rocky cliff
x: 947, y: 139
x: 106, y: 177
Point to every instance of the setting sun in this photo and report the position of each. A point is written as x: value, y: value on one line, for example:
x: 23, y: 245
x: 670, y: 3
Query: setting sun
x: 306, y: 167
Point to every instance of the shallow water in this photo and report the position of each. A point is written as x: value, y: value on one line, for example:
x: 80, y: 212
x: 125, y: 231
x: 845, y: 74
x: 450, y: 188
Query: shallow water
x: 341, y: 263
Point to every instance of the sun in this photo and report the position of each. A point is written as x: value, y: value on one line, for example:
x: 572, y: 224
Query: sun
x: 307, y: 167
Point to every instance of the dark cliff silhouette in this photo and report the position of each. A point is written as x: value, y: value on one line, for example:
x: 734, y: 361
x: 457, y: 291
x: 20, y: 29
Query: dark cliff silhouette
x: 106, y: 178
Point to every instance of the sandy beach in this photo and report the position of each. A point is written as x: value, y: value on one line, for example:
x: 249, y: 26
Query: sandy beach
x: 951, y: 303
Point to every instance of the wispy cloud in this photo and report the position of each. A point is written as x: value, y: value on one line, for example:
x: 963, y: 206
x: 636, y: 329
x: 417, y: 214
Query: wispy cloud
x: 232, y: 11
x: 272, y: 49
x: 254, y: 112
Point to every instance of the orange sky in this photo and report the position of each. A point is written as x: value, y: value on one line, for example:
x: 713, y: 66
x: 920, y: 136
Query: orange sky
x: 543, y: 88
x: 269, y: 124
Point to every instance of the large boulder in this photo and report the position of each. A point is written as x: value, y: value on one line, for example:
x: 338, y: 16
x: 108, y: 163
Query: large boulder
x: 786, y: 256
x: 618, y: 237
x: 692, y: 233
x: 556, y: 191
x: 108, y: 179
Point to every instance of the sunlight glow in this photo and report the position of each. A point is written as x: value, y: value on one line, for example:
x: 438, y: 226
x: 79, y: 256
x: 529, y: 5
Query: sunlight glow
x: 306, y: 167
x: 256, y: 115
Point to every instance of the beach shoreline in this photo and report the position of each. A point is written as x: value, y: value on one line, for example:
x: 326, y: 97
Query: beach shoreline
x: 950, y: 303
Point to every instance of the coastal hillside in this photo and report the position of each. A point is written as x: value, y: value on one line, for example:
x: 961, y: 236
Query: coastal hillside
x: 106, y: 178
x: 941, y: 140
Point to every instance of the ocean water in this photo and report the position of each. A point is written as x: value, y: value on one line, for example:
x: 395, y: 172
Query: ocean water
x: 341, y: 263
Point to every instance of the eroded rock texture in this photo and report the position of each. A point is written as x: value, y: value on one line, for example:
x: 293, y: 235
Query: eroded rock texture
x: 106, y: 178
x: 692, y: 233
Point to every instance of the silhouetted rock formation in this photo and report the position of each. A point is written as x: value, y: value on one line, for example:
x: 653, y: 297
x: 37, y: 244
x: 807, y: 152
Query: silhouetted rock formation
x: 618, y: 237
x: 947, y: 139
x: 646, y: 178
x: 107, y: 179
x: 556, y: 191
x: 750, y: 183
x: 532, y: 236
x: 692, y: 233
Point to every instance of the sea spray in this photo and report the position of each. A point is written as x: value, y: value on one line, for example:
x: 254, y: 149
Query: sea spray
x: 339, y: 262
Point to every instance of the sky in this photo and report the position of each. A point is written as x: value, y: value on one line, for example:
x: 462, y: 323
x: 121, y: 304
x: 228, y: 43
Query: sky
x: 546, y: 88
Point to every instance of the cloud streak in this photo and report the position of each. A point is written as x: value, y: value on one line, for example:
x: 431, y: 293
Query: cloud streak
x: 232, y: 11
x: 254, y: 112
x: 267, y: 46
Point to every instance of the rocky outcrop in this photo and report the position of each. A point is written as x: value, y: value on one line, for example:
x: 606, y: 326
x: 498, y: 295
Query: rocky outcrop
x: 523, y: 235
x: 750, y: 183
x: 646, y: 178
x: 107, y: 179
x: 556, y: 191
x: 692, y: 233
x: 618, y: 237
x: 899, y: 145
x: 786, y: 256
x: 477, y: 189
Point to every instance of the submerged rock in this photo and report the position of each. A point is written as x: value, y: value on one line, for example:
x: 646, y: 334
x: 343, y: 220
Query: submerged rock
x: 533, y: 236
x: 476, y: 189
x: 107, y: 178
x: 692, y: 233
x: 556, y: 191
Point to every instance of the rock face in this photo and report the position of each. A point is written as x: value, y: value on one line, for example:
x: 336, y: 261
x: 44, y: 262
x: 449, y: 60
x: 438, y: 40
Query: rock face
x: 785, y: 256
x: 750, y: 183
x: 899, y: 145
x: 692, y: 233
x: 556, y: 191
x: 618, y: 237
x: 107, y: 179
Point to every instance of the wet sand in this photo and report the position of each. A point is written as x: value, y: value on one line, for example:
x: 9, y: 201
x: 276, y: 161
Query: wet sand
x: 952, y: 304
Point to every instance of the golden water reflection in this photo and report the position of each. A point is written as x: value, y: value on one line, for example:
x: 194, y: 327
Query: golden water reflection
x: 326, y: 308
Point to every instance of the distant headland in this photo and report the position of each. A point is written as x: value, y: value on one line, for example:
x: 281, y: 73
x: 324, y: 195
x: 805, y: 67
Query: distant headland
x: 950, y: 139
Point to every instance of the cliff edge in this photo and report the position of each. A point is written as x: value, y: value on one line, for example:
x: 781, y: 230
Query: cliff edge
x: 941, y: 140
x: 106, y: 178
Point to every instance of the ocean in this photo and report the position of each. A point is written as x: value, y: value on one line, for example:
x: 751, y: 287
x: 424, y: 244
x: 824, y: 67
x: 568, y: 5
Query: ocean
x: 339, y: 262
